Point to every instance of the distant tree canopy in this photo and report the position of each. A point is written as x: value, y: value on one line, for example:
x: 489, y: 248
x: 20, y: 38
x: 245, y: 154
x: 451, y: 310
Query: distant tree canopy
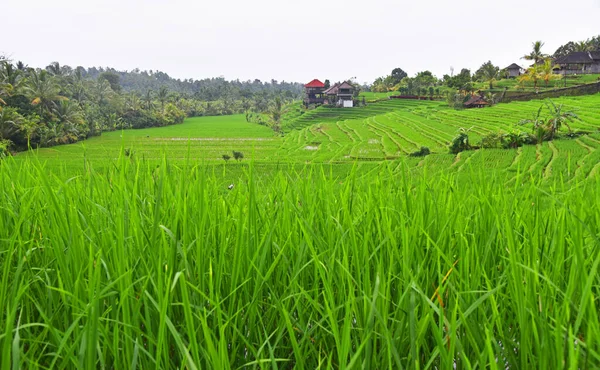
x: 460, y: 80
x: 113, y: 79
x: 59, y: 104
x: 487, y: 73
x: 397, y: 75
x: 590, y: 44
x: 390, y: 82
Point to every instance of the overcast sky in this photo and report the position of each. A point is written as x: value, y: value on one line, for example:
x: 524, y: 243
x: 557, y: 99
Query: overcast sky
x: 289, y: 40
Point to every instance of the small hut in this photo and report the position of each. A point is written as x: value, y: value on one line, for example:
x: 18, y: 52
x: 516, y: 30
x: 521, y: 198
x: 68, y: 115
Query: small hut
x: 476, y: 101
x: 514, y: 70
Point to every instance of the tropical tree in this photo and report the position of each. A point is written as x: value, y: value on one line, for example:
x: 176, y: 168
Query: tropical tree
x: 147, y: 99
x: 275, y: 114
x: 585, y: 45
x: 490, y: 74
x: 538, y: 124
x: 10, y: 120
x: 558, y: 117
x: 68, y: 113
x: 102, y: 91
x: 532, y: 74
x: 5, y: 89
x: 43, y: 90
x: 546, y: 72
x: 133, y: 103
x: 536, y: 54
x: 547, y: 127
x: 11, y: 76
x: 162, y: 96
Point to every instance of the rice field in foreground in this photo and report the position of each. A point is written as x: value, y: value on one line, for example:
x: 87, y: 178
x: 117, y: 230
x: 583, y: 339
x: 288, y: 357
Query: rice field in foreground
x: 334, y: 249
x: 138, y: 266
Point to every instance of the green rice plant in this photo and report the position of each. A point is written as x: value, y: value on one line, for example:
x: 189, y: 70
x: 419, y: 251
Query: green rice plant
x: 158, y: 264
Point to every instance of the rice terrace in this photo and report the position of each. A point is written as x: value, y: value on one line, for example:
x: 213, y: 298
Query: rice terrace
x: 409, y: 223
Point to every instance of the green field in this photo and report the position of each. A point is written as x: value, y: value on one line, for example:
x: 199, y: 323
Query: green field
x: 386, y: 130
x: 334, y: 248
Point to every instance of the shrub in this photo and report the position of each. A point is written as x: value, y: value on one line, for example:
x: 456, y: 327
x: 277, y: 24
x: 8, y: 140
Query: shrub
x: 226, y: 157
x: 172, y: 115
x: 513, y: 140
x: 491, y: 141
x: 4, y: 147
x: 238, y: 155
x: 460, y: 143
x: 421, y: 152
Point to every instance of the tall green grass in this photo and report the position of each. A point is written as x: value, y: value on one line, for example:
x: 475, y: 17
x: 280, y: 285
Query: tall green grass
x: 145, y: 266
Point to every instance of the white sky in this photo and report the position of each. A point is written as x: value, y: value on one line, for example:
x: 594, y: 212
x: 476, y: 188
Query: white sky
x: 285, y: 40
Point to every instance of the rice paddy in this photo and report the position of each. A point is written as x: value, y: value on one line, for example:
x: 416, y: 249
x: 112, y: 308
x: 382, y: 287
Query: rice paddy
x: 328, y: 247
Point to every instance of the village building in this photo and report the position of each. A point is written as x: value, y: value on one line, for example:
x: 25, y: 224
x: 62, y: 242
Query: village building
x: 339, y: 94
x: 477, y: 101
x: 580, y: 62
x: 313, y: 92
x: 514, y: 70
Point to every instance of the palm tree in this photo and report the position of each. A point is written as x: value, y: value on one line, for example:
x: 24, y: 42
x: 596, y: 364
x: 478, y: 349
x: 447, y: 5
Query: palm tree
x: 134, y: 103
x: 546, y: 72
x: 9, y: 123
x: 147, y: 99
x: 11, y: 75
x: 163, y: 94
x: 491, y: 74
x: 536, y: 54
x: 43, y: 90
x: 5, y: 90
x: 102, y: 91
x: 586, y: 45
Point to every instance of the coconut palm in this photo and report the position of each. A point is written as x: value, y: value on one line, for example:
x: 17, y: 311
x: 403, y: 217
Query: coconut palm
x: 491, y: 74
x: 11, y: 75
x: 147, y: 99
x: 68, y: 113
x: 536, y: 54
x: 43, y: 90
x: 162, y: 96
x: 586, y: 45
x: 102, y: 91
x: 133, y: 103
x: 5, y: 90
x: 10, y: 120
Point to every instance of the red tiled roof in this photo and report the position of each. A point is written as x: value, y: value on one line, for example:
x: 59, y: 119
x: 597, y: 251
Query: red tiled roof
x: 315, y: 83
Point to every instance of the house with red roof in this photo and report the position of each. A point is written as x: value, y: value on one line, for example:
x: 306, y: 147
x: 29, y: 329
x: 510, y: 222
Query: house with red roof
x: 313, y: 92
x: 340, y: 94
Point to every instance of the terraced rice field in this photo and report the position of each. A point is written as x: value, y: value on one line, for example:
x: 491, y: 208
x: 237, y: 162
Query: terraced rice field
x: 328, y: 247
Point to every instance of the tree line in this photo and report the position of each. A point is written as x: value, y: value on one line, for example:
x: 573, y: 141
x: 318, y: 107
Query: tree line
x: 59, y: 104
x: 460, y: 86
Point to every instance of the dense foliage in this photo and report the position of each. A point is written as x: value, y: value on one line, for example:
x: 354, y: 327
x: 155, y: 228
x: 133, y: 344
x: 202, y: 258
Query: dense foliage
x: 590, y: 44
x: 59, y: 104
